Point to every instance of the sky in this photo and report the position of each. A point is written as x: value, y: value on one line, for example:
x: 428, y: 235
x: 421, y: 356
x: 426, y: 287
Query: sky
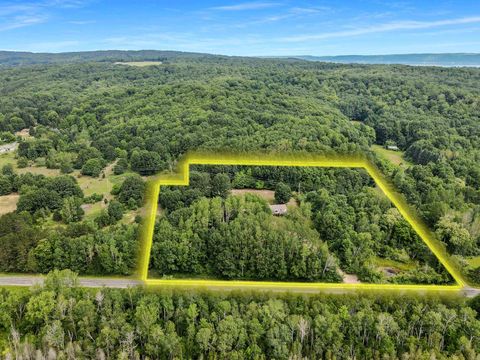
x: 247, y: 28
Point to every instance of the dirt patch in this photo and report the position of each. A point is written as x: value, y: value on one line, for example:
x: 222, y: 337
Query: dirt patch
x: 350, y: 279
x: 8, y: 203
x: 389, y: 271
x: 24, y: 133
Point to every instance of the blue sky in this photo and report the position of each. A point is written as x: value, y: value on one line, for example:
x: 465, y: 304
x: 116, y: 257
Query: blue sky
x: 264, y: 27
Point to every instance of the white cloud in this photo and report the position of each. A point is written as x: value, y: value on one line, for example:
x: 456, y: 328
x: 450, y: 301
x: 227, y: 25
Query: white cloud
x: 13, y: 16
x: 22, y: 21
x: 391, y: 26
x: 246, y: 6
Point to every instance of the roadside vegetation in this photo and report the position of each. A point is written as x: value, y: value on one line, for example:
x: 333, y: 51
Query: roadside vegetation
x: 60, y: 320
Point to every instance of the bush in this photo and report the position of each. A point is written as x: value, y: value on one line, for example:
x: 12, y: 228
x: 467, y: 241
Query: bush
x: 5, y: 185
x: 121, y: 166
x: 146, y: 162
x: 131, y: 191
x: 92, y: 199
x: 71, y: 210
x: 22, y: 162
x: 7, y: 170
x: 221, y: 185
x: 38, y: 199
x: 115, y: 211
x: 283, y: 193
x: 92, y: 167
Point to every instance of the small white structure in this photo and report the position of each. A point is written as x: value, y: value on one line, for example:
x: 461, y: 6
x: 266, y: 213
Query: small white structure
x: 392, y: 147
x: 279, y: 209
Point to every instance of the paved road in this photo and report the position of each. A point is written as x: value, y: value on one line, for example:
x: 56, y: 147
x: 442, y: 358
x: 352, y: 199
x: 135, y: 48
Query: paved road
x: 29, y: 280
x: 85, y: 282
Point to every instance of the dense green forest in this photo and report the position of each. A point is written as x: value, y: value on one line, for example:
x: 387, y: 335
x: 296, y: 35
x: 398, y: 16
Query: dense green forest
x: 88, y: 121
x: 338, y: 221
x: 60, y: 320
x: 87, y: 115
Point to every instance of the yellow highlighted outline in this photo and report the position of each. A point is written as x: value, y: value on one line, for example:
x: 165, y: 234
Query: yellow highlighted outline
x: 341, y: 161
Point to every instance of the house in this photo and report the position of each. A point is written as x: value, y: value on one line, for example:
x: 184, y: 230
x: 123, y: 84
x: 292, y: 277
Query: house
x: 392, y: 147
x: 279, y: 209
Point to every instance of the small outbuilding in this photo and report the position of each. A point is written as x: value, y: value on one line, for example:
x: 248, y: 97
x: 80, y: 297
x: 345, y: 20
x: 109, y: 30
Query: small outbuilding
x: 392, y: 147
x: 279, y: 209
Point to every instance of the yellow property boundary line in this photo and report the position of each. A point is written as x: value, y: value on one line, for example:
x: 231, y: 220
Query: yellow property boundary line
x: 339, y: 161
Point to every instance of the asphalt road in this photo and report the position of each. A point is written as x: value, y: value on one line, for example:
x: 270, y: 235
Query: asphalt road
x: 30, y: 280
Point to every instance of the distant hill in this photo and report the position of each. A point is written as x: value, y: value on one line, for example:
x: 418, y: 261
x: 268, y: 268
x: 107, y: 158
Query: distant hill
x: 14, y: 58
x: 17, y: 58
x: 454, y: 59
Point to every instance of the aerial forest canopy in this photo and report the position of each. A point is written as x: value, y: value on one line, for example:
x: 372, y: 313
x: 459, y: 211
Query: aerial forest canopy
x: 80, y: 135
x: 85, y: 116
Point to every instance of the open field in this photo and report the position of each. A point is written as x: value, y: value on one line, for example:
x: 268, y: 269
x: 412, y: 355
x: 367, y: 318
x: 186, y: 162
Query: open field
x: 395, y: 157
x: 139, y: 63
x: 268, y: 195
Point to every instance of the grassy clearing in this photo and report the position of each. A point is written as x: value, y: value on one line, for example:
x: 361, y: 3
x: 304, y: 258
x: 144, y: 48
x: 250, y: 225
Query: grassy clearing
x: 100, y: 185
x: 39, y: 170
x: 92, y: 210
x: 395, y: 157
x: 8, y: 158
x: 139, y: 63
x: 393, y: 264
x: 473, y: 262
x: 129, y: 216
x: 268, y: 195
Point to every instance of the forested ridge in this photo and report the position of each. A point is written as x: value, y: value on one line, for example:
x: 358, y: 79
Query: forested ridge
x: 93, y: 121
